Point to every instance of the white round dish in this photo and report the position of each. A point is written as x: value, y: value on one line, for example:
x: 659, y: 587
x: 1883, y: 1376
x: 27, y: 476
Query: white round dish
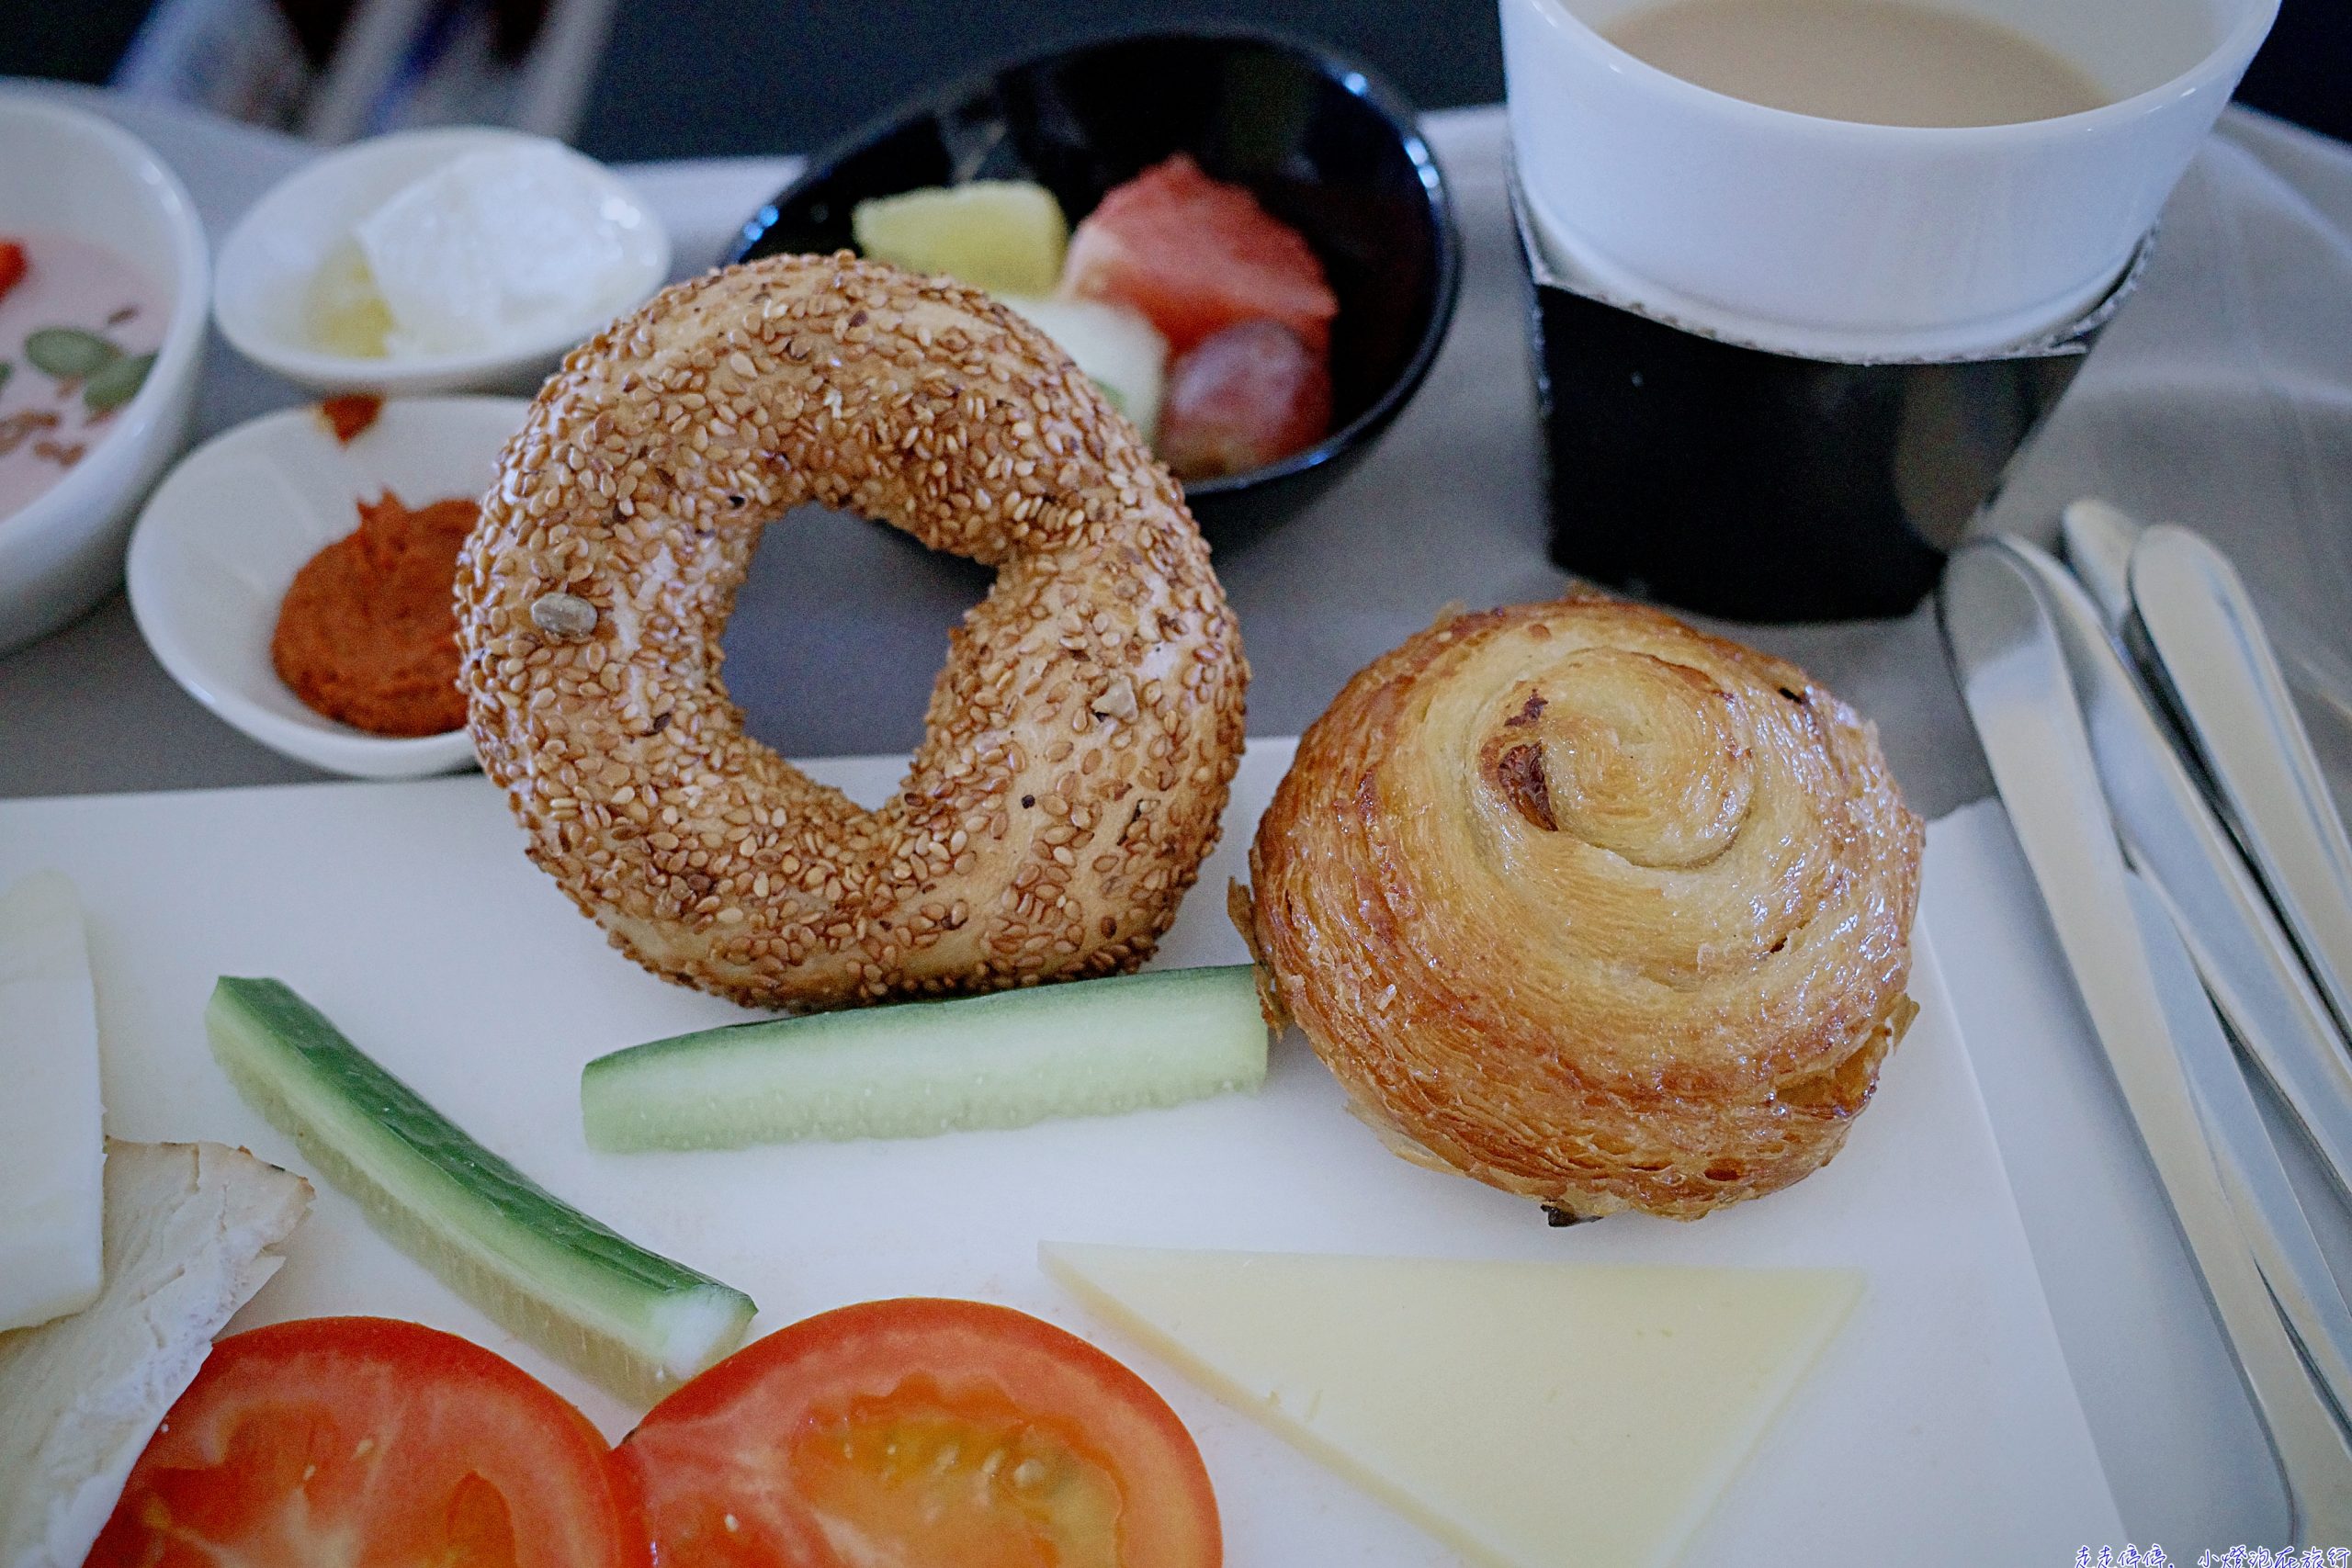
x: 63, y: 170
x: 218, y: 546
x: 1839, y: 238
x: 270, y: 258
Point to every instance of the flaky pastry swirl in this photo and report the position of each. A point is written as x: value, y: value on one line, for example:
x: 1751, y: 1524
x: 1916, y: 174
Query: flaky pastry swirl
x: 1593, y: 907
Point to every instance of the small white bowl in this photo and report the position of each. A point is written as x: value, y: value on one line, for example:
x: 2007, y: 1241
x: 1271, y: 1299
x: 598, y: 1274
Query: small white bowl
x: 219, y: 544
x: 65, y: 172
x: 271, y: 256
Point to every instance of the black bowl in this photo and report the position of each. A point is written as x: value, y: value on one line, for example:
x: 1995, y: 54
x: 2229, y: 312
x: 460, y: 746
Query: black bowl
x: 1321, y: 142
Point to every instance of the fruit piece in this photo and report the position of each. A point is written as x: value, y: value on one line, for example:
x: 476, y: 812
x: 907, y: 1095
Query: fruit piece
x: 1006, y: 236
x: 192, y: 1231
x: 922, y: 1432
x: 1080, y: 1048
x: 635, y: 1322
x: 1245, y: 397
x: 1119, y: 351
x: 51, y: 1148
x: 1527, y: 1414
x: 1196, y: 256
x: 12, y: 265
x: 363, y: 1440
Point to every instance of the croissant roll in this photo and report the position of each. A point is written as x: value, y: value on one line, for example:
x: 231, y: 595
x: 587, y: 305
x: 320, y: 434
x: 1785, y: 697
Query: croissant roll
x: 1594, y: 907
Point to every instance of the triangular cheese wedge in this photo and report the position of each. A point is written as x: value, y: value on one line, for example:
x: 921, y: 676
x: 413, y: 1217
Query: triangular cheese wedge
x: 1530, y: 1415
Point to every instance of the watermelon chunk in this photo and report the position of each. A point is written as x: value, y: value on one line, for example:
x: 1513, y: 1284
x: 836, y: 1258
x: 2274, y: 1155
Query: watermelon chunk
x: 1196, y: 256
x: 1243, y: 398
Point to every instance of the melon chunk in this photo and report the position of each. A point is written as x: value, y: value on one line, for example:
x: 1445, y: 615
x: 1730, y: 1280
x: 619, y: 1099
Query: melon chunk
x: 1006, y: 236
x: 1117, y: 348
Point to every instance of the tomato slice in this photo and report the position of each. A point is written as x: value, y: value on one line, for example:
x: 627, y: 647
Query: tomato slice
x: 926, y: 1434
x: 365, y: 1443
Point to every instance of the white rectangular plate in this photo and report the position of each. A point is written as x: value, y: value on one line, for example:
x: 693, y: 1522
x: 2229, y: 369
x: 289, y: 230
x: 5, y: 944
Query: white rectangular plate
x: 1940, y: 1426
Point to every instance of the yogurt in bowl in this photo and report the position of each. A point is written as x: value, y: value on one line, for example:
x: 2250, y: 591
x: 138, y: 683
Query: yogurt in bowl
x: 102, y: 335
x: 80, y: 326
x: 434, y: 260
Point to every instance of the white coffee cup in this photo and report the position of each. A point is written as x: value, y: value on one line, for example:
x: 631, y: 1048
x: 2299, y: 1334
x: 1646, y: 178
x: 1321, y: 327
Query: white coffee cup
x: 1838, y: 240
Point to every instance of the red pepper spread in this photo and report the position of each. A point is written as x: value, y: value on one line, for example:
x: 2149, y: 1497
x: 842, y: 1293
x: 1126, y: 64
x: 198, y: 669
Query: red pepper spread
x: 349, y: 414
x: 368, y: 632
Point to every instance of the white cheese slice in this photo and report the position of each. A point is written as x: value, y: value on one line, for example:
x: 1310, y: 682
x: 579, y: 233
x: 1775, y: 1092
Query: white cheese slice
x: 1527, y: 1414
x: 192, y: 1231
x: 52, y: 1144
x: 498, y: 247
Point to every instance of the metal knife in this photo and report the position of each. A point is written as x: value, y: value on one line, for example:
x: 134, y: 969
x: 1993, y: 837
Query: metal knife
x: 2012, y: 675
x: 2304, y: 1287
x: 2170, y: 834
x: 2097, y: 539
x: 2169, y: 820
x: 2216, y: 665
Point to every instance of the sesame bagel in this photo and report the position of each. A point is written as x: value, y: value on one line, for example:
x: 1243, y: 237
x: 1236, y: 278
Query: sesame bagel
x: 1080, y: 740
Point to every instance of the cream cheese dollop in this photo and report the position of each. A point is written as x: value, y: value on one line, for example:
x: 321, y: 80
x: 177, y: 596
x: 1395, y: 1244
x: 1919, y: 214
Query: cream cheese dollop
x: 500, y: 247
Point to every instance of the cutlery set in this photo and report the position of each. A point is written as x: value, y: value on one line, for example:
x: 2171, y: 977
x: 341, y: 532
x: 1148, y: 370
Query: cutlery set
x: 2197, y: 877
